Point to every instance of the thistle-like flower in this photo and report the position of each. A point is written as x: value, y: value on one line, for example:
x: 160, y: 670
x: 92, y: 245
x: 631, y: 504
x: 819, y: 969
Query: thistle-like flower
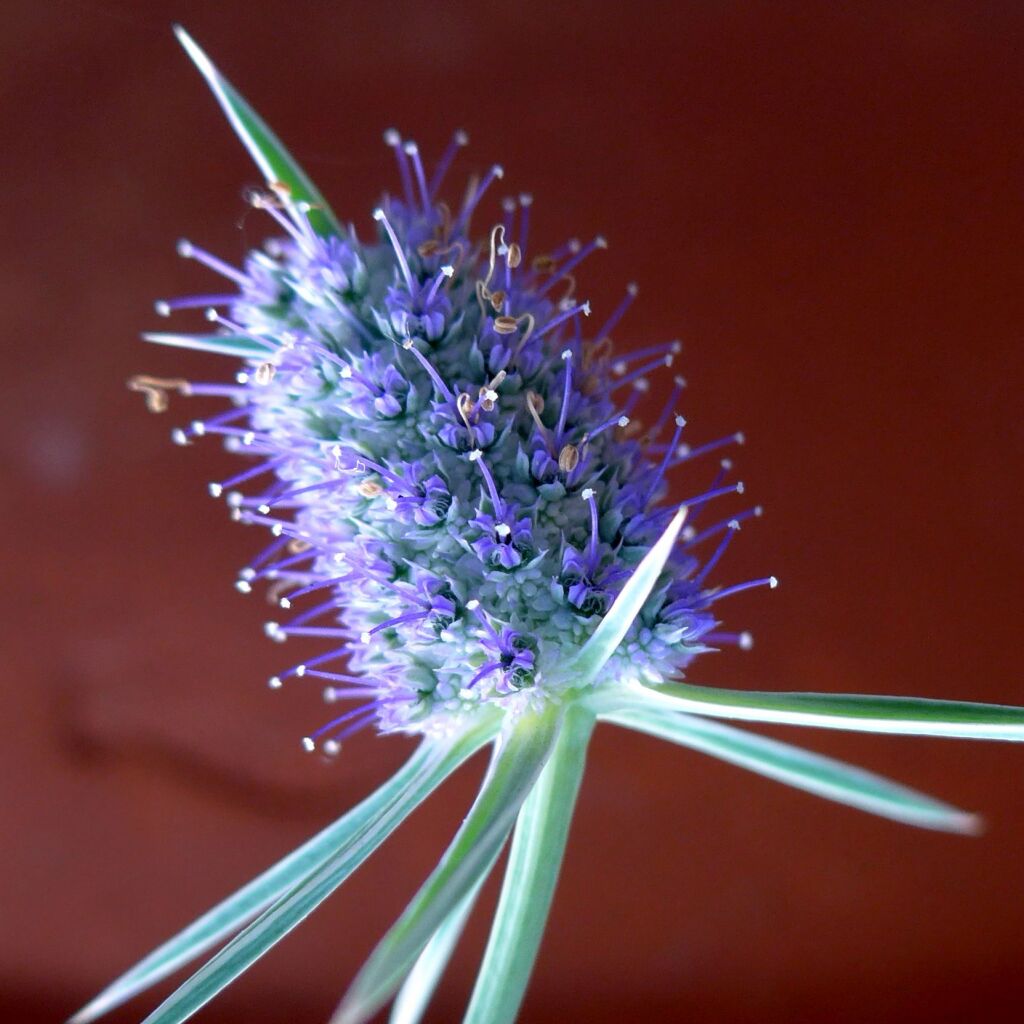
x: 465, y: 488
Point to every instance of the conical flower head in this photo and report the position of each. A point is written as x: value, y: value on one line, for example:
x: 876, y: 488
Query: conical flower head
x: 460, y: 471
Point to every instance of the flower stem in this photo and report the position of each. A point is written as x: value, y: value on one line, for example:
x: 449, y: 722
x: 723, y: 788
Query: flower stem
x: 534, y: 862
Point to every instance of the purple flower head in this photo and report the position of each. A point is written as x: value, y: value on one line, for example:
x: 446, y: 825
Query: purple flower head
x: 440, y: 437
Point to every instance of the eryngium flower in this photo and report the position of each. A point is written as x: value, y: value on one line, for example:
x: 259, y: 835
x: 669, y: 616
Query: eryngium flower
x: 448, y: 454
x: 468, y: 510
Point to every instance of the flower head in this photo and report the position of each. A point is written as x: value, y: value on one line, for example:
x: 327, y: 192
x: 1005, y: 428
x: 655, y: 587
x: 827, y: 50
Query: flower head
x: 459, y: 469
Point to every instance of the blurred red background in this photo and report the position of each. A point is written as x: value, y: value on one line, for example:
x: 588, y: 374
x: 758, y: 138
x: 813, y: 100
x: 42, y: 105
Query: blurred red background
x: 822, y: 200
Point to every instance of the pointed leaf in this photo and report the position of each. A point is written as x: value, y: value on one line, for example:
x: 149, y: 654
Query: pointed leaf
x: 419, y: 987
x: 530, y: 878
x: 444, y: 757
x: 583, y: 668
x: 218, y: 344
x: 273, y: 160
x: 517, y: 762
x: 811, y: 772
x: 233, y: 913
x: 918, y: 716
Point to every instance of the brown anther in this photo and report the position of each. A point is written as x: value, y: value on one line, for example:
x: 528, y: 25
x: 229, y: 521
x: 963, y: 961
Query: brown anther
x: 505, y: 325
x: 543, y: 263
x: 154, y: 389
x: 369, y: 488
x: 568, y: 458
x: 466, y: 406
x: 264, y: 374
x: 599, y: 350
x: 531, y: 322
x: 514, y: 256
x: 497, y: 300
x: 482, y: 296
x: 296, y: 546
x: 483, y: 291
x: 281, y: 189
x: 535, y: 406
x: 489, y: 392
x: 277, y: 589
x: 428, y: 248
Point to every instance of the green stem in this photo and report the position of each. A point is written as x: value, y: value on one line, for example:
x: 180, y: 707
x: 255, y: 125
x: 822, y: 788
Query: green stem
x: 534, y: 862
x: 515, y: 767
x: 418, y: 988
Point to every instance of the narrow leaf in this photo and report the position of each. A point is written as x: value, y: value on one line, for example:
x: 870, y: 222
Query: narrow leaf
x: 862, y: 713
x: 811, y: 772
x: 530, y: 878
x: 219, y: 344
x: 233, y: 913
x: 273, y: 160
x: 583, y: 668
x: 419, y: 987
x: 296, y: 904
x: 517, y: 761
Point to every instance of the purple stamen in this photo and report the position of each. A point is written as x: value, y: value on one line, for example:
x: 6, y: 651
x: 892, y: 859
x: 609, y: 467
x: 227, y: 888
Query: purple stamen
x: 618, y: 420
x: 413, y: 152
x: 459, y: 139
x: 711, y: 531
x: 677, y: 389
x: 381, y: 217
x: 189, y: 251
x: 312, y: 613
x: 486, y: 670
x: 447, y: 272
x: 733, y: 528
x: 164, y: 307
x: 571, y: 265
x: 642, y: 371
x: 640, y: 388
x: 474, y: 607
x: 317, y: 631
x: 583, y: 307
x: 319, y: 585
x: 665, y: 348
x: 273, y: 571
x: 686, y: 454
x: 267, y: 204
x: 217, y: 489
x: 744, y: 641
x: 396, y: 621
x: 618, y: 313
x: 497, y: 171
x: 716, y: 492
x: 566, y: 392
x: 339, y: 677
x: 445, y: 392
x: 659, y: 475
x: 525, y: 202
x: 341, y: 720
x: 767, y: 581
x: 588, y: 496
x: 499, y: 506
x: 394, y: 140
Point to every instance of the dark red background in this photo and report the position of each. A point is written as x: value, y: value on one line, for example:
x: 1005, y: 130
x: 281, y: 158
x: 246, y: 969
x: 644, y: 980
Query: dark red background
x: 823, y: 200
